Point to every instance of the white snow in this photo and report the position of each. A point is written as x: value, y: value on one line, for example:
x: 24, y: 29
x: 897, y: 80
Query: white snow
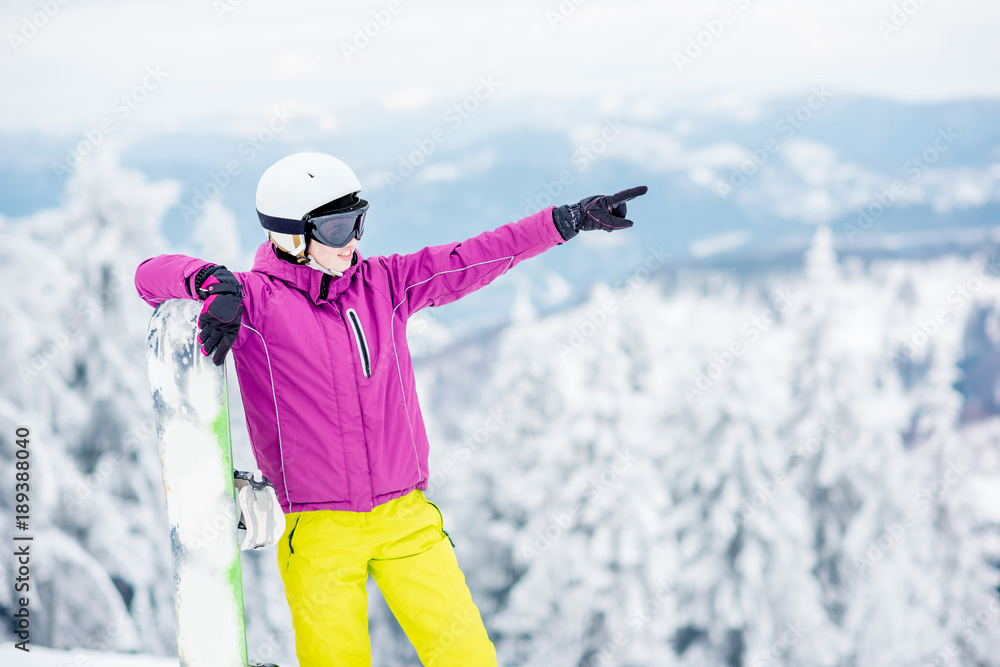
x: 39, y: 656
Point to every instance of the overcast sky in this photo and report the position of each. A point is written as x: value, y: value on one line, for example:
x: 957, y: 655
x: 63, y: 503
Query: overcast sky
x: 238, y: 59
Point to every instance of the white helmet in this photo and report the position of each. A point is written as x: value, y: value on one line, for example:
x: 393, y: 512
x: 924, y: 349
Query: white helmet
x: 295, y: 186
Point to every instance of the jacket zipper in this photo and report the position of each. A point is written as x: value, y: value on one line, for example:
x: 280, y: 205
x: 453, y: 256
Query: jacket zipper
x: 359, y: 336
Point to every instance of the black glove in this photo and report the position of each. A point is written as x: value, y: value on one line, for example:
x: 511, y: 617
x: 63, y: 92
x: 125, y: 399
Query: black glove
x: 600, y: 212
x: 222, y: 314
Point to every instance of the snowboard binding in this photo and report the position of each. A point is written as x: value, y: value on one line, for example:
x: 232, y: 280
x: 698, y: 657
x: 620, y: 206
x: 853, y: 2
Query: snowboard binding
x: 260, y: 514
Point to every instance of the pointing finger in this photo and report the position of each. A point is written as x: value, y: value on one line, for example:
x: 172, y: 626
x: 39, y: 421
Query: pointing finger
x: 627, y: 195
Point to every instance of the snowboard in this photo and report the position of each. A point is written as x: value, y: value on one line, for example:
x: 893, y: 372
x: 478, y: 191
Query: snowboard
x: 190, y: 405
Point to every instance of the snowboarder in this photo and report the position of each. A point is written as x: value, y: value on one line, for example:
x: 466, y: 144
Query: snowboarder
x: 319, y: 341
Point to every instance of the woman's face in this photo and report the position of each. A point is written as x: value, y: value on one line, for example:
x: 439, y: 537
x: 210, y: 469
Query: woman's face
x: 335, y: 259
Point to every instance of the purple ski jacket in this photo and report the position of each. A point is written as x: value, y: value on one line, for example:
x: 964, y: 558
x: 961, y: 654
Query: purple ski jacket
x: 323, y: 364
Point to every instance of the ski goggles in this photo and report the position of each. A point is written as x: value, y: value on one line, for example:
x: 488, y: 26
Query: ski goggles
x: 337, y: 229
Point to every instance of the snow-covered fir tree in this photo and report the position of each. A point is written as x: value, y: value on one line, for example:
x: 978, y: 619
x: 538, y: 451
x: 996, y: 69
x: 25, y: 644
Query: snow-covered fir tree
x: 76, y: 381
x: 763, y: 432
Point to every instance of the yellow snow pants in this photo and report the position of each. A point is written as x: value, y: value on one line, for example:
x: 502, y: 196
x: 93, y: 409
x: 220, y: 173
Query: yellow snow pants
x: 325, y: 557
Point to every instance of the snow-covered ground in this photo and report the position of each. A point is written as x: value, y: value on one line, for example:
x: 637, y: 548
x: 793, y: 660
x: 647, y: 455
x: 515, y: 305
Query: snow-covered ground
x: 48, y: 657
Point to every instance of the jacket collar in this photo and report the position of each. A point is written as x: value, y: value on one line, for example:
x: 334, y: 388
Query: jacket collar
x: 307, y: 280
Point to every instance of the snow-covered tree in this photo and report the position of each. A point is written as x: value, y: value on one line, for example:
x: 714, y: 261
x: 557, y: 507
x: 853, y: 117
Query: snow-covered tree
x: 71, y: 331
x: 696, y: 476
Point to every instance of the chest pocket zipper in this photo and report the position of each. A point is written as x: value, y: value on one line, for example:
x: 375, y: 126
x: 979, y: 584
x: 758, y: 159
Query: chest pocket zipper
x: 359, y: 337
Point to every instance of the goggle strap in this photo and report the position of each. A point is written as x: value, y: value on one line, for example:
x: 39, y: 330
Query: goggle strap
x: 281, y: 225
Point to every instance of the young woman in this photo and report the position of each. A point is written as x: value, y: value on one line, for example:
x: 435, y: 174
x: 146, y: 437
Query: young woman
x: 319, y: 341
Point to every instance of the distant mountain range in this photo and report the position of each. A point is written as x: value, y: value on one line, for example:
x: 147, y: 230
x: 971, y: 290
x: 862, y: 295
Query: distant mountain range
x: 728, y: 182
